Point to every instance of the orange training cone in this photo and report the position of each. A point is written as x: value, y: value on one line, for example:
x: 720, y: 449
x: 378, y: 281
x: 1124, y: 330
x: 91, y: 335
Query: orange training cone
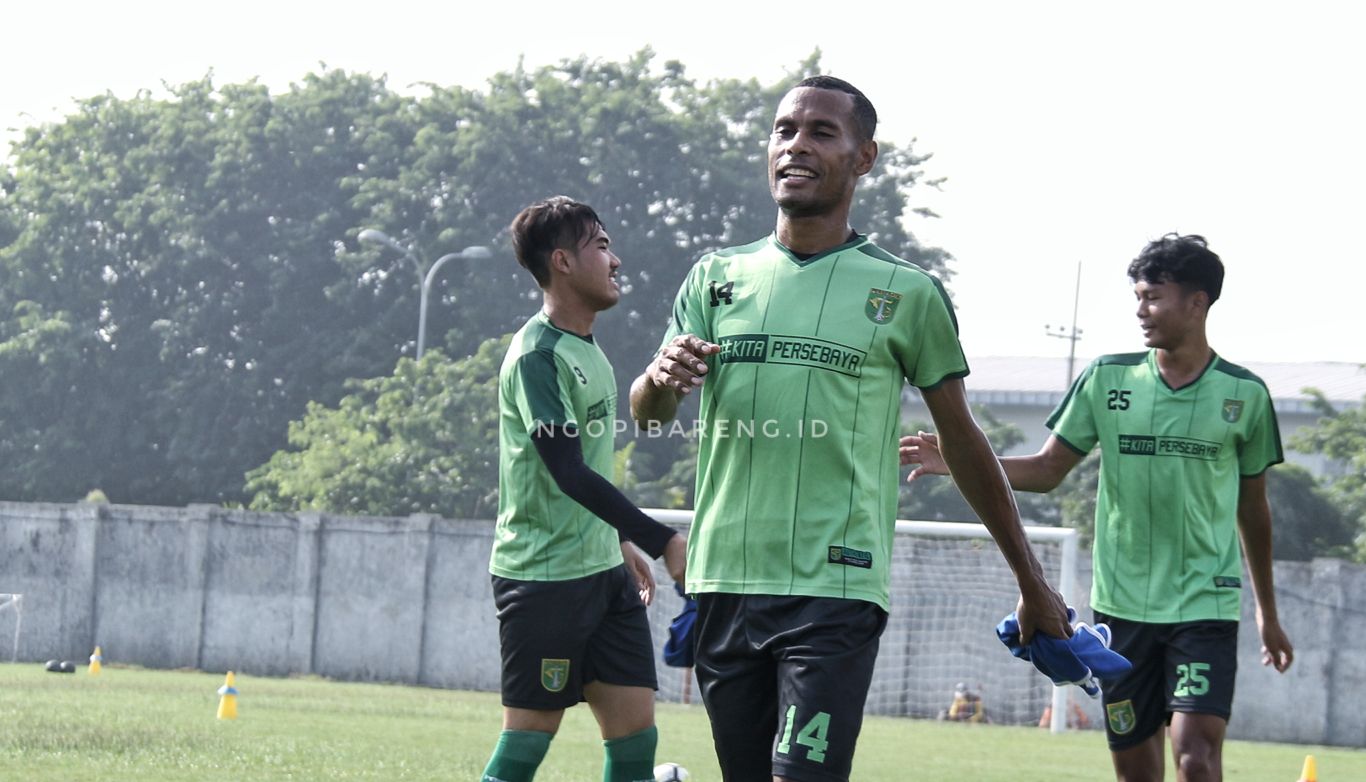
x: 95, y: 660
x: 227, y: 698
x: 1310, y: 772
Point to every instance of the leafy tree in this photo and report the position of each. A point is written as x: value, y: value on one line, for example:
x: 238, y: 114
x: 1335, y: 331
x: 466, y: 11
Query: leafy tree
x: 178, y: 254
x: 1305, y: 521
x: 422, y: 440
x: 1340, y: 435
x: 179, y: 277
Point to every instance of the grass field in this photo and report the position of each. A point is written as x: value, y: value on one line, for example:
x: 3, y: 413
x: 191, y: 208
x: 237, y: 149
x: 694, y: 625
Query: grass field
x: 136, y: 724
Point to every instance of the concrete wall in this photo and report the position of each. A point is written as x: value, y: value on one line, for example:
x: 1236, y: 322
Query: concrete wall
x: 408, y: 600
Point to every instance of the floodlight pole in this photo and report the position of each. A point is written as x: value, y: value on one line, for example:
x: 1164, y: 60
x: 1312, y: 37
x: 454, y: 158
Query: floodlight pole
x: 424, y: 280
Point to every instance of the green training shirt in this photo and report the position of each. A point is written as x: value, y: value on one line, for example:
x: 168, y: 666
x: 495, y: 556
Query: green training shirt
x: 797, y: 470
x: 1166, y: 547
x: 551, y: 377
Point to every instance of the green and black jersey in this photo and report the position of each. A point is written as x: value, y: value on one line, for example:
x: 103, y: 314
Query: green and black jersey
x: 551, y: 378
x: 797, y: 472
x: 1166, y: 547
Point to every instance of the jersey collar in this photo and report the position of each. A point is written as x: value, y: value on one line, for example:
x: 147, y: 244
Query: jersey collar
x: 544, y: 318
x: 1157, y: 371
x: 855, y: 239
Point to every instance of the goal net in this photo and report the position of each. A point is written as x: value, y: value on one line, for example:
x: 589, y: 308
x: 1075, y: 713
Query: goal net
x: 12, y: 615
x: 950, y: 587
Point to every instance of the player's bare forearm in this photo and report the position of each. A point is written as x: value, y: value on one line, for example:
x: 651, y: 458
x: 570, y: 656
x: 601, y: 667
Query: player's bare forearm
x: 651, y: 404
x: 1040, y: 472
x: 1254, y: 529
x: 677, y: 370
x: 975, y: 469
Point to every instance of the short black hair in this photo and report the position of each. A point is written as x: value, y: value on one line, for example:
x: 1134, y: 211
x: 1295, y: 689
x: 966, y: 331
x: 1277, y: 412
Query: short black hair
x: 555, y: 223
x: 865, y: 116
x: 1185, y: 260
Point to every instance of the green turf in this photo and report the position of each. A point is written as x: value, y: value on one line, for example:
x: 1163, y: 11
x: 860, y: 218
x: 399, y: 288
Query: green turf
x: 135, y: 724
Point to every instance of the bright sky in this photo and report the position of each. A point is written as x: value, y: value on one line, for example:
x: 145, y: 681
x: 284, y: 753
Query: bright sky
x: 1069, y: 132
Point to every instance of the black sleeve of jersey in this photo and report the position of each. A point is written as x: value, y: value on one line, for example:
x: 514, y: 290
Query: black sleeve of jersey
x: 563, y: 457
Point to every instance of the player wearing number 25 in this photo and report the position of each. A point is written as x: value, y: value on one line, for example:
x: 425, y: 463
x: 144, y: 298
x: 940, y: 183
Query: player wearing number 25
x: 1185, y: 441
x: 809, y: 336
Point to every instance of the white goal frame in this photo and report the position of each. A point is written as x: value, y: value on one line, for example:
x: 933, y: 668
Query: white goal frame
x: 1065, y: 537
x: 15, y: 602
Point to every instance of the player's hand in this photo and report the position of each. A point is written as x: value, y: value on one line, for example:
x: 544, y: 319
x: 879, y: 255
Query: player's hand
x: 681, y: 365
x: 640, y: 568
x: 1041, y: 609
x: 1276, y: 648
x: 676, y: 557
x: 922, y: 448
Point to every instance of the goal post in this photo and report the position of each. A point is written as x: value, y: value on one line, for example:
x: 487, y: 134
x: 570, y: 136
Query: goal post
x: 950, y: 586
x: 12, y: 602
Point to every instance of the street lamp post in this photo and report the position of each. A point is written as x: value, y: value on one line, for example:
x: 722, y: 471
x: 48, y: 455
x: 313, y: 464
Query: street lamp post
x: 424, y: 280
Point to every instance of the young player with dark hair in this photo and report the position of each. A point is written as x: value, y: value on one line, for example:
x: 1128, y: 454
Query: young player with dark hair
x: 805, y: 340
x: 570, y: 589
x: 1185, y: 441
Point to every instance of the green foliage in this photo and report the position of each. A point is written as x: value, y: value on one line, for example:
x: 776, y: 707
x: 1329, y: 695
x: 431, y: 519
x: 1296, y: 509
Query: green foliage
x: 423, y: 440
x: 179, y: 278
x: 1340, y: 435
x: 1305, y: 522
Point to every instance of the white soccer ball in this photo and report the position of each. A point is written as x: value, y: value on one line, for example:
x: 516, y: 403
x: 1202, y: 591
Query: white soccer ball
x: 670, y: 772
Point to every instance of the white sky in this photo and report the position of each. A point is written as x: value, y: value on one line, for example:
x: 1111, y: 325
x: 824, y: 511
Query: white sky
x: 1069, y: 132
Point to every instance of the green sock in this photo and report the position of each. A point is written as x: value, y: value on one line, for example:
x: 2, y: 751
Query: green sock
x: 517, y: 756
x: 631, y: 758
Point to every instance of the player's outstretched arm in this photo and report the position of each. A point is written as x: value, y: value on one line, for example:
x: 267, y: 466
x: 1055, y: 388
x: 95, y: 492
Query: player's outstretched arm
x: 1040, y: 472
x: 1254, y: 527
x: 676, y: 371
x: 977, y: 472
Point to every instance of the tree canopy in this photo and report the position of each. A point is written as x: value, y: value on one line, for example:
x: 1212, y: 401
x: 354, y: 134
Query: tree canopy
x: 180, y: 277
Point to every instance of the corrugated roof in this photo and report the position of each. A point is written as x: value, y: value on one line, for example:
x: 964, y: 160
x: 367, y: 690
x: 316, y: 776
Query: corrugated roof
x: 1035, y: 380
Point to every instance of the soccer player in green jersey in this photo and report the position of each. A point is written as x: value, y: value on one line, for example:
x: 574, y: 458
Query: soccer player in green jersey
x: 1185, y: 441
x: 805, y: 340
x: 570, y: 589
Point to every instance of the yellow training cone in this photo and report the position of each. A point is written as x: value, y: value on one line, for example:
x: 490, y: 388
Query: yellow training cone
x: 1310, y: 772
x: 95, y: 660
x: 227, y: 699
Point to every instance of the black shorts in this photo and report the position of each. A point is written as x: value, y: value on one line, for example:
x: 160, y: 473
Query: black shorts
x: 1186, y: 666
x: 784, y: 680
x: 557, y: 636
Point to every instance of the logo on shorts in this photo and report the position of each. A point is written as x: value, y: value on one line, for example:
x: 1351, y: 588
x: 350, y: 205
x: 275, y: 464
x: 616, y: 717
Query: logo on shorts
x: 1233, y: 410
x: 881, y: 305
x: 1121, y: 716
x: 554, y: 674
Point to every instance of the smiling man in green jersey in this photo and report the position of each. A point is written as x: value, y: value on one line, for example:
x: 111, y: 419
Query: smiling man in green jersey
x: 805, y: 340
x: 570, y: 589
x: 1185, y: 441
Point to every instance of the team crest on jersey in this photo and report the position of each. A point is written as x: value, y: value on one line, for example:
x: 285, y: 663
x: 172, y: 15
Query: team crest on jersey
x: 881, y: 305
x: 554, y: 674
x: 1233, y: 410
x: 1121, y: 716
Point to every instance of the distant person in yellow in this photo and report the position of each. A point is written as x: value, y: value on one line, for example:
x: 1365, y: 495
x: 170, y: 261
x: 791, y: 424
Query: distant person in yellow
x: 967, y: 706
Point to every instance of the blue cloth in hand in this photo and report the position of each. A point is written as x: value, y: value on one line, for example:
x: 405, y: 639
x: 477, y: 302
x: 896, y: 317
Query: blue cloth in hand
x: 678, y: 650
x: 1081, y: 660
